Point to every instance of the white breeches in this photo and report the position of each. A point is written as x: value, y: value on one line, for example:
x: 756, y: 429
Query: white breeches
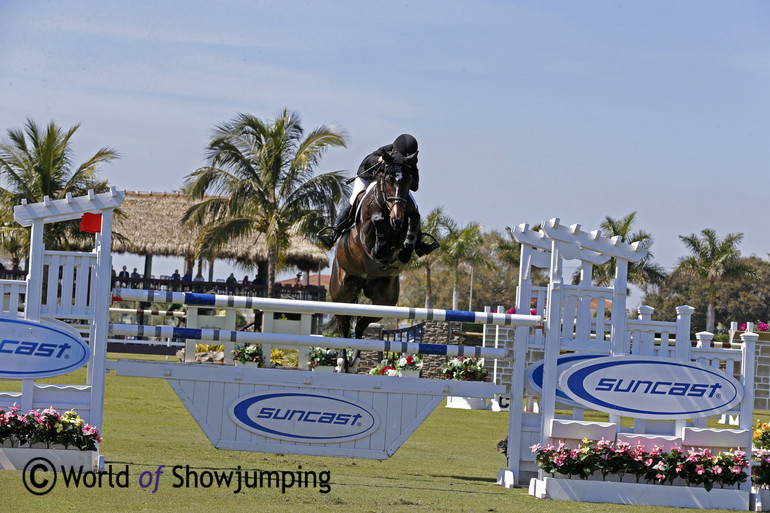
x: 360, y: 185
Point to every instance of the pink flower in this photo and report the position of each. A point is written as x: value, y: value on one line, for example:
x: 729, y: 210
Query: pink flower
x: 648, y: 462
x: 536, y: 447
x: 700, y: 470
x: 660, y: 476
x: 512, y: 310
x: 559, y: 460
x: 737, y: 469
x: 533, y: 311
x: 717, y: 470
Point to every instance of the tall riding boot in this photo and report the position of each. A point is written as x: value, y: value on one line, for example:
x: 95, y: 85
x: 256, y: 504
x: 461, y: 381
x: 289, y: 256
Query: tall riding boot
x: 329, y: 235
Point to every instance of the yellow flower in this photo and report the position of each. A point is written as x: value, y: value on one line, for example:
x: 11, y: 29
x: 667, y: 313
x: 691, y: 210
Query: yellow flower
x: 764, y: 426
x: 58, y: 427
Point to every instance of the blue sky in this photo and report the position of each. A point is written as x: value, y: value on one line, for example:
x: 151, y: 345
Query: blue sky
x: 524, y: 110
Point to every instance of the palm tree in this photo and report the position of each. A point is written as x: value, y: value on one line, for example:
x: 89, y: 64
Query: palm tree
x: 261, y: 176
x: 644, y: 273
x: 714, y: 260
x: 435, y: 223
x: 35, y: 163
x: 461, y: 248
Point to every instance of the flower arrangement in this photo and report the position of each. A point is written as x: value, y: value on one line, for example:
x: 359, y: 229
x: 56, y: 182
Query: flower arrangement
x: 760, y: 474
x: 409, y: 362
x: 464, y: 369
x: 758, y: 326
x: 532, y: 311
x: 247, y: 353
x: 656, y: 466
x: 321, y: 356
x: 761, y: 435
x: 502, y: 446
x: 47, y: 427
x: 385, y: 368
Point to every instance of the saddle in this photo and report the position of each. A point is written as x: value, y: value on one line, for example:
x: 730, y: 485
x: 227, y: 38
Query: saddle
x: 354, y: 214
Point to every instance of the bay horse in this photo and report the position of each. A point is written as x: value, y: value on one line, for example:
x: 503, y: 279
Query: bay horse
x: 370, y: 256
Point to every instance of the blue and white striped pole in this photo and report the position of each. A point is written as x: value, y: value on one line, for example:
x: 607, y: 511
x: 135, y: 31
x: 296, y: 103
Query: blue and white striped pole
x: 282, y: 340
x: 299, y: 306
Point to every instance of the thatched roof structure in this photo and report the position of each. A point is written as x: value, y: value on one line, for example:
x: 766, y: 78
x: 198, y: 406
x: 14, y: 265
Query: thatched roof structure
x: 152, y: 223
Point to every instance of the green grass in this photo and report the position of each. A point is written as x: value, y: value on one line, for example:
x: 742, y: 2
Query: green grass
x: 450, y: 465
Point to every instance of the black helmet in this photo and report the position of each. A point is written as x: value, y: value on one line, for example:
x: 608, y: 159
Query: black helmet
x: 405, y: 144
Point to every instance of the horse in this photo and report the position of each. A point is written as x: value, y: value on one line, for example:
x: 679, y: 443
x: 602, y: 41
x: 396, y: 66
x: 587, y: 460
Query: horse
x: 370, y: 256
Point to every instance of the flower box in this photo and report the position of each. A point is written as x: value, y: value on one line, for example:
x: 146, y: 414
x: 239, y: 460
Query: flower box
x: 15, y: 458
x: 466, y: 403
x: 760, y: 500
x: 639, y: 494
x: 323, y: 368
x: 246, y: 364
x: 763, y: 336
x: 409, y: 373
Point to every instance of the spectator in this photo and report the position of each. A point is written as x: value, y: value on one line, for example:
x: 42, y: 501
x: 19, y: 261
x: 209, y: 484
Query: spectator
x: 187, y: 277
x: 135, y: 274
x: 176, y: 275
x: 245, y: 280
x: 123, y: 274
x: 199, y: 277
x: 231, y: 279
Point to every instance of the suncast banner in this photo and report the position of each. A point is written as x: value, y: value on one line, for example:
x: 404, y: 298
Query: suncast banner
x: 563, y: 362
x: 651, y: 387
x: 309, y: 417
x: 30, y: 350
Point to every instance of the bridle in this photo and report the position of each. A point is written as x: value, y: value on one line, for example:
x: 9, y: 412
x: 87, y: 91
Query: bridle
x: 385, y: 202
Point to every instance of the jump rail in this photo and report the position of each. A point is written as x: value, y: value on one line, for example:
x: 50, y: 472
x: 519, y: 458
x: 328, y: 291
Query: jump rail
x: 301, y: 306
x: 282, y: 340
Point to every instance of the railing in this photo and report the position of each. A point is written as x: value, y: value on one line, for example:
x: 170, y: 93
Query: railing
x: 303, y: 292
x: 414, y: 333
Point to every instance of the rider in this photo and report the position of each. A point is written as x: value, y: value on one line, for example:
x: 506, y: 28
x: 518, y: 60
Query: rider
x: 404, y: 144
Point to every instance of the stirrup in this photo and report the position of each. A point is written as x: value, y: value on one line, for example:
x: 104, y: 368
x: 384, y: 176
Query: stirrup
x: 423, y: 248
x: 326, y: 238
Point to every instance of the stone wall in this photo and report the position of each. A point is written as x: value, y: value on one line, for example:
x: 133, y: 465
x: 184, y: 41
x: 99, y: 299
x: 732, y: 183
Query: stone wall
x: 435, y: 333
x: 762, y: 376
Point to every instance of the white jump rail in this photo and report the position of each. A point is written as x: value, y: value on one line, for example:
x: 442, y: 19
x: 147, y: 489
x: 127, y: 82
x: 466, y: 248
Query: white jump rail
x: 301, y: 306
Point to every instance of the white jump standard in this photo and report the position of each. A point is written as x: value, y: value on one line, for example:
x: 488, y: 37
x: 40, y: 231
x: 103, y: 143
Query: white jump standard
x: 364, y: 416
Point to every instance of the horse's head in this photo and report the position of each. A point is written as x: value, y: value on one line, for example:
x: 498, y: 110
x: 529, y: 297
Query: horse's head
x: 395, y: 180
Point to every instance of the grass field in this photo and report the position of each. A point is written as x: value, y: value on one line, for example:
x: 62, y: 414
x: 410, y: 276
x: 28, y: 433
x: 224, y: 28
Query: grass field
x: 450, y: 464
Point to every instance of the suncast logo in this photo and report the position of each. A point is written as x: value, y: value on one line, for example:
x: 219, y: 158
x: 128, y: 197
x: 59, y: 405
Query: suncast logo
x: 563, y: 362
x: 651, y: 387
x: 39, y: 349
x: 304, y: 416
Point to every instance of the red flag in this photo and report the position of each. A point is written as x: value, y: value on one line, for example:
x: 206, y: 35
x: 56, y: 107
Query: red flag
x: 91, y: 223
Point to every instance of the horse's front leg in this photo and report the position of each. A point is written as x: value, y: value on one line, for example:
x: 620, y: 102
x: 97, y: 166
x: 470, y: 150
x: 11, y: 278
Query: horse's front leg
x: 380, y: 222
x: 412, y: 230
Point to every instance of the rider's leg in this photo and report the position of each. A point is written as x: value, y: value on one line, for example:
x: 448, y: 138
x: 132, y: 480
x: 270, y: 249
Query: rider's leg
x: 330, y: 234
